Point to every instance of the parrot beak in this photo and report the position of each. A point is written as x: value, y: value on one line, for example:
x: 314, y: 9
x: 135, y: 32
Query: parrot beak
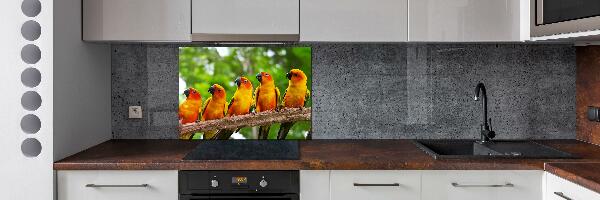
x: 186, y: 92
x: 289, y: 76
x: 211, y: 90
x: 259, y: 77
x: 238, y: 82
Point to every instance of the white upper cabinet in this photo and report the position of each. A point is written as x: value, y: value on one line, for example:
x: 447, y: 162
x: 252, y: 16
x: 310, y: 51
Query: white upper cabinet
x: 136, y: 20
x: 354, y: 20
x: 245, y: 20
x: 468, y: 20
x: 307, y: 20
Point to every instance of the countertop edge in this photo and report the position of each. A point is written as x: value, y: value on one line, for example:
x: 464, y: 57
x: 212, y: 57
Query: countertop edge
x: 576, y: 178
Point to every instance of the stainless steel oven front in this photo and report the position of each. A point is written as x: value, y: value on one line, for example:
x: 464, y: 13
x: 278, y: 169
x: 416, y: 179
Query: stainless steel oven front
x: 552, y: 17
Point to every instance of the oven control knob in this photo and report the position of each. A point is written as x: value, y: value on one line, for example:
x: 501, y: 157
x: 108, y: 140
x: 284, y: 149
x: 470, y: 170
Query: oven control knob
x: 214, y: 183
x: 263, y: 183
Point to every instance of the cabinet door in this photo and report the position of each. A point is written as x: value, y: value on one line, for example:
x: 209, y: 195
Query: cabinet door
x: 117, y: 185
x: 314, y: 184
x: 136, y: 20
x: 560, y: 189
x: 245, y: 20
x: 353, y: 20
x: 468, y: 20
x: 375, y: 185
x: 478, y: 185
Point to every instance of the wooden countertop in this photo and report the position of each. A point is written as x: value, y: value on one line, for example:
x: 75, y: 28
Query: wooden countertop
x: 584, y: 174
x: 331, y: 155
x: 314, y: 155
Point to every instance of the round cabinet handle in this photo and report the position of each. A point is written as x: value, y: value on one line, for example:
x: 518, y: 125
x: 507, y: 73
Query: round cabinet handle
x: 562, y: 195
x: 114, y: 186
x: 492, y: 185
x: 376, y: 184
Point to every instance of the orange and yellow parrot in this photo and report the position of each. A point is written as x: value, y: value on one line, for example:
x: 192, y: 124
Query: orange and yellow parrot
x: 240, y: 103
x: 242, y: 99
x: 189, y: 110
x: 266, y: 99
x: 295, y: 96
x: 214, y: 107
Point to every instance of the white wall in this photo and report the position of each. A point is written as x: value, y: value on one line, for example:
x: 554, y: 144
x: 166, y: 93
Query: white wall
x: 82, y: 109
x: 22, y: 177
x: 75, y: 82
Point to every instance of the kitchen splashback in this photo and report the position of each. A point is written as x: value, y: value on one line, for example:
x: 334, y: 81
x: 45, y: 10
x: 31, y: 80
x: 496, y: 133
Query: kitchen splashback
x: 376, y: 91
x: 588, y: 85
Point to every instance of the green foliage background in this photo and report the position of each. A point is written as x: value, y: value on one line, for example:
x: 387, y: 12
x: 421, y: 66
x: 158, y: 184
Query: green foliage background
x: 201, y: 67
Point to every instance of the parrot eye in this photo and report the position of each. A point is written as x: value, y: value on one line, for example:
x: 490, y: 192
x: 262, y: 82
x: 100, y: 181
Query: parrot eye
x: 266, y: 74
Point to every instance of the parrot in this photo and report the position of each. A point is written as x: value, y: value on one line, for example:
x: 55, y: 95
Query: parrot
x: 189, y: 110
x: 266, y: 99
x: 240, y: 103
x: 214, y: 107
x: 296, y: 95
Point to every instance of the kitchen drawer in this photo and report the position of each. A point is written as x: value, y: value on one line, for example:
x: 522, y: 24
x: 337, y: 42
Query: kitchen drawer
x: 556, y: 186
x: 162, y: 185
x: 478, y: 185
x: 314, y: 184
x: 396, y: 185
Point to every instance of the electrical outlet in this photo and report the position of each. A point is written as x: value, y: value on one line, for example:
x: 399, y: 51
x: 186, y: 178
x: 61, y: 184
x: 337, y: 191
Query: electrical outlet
x: 135, y: 112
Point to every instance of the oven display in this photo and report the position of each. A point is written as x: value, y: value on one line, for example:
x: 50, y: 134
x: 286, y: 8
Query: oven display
x: 239, y: 180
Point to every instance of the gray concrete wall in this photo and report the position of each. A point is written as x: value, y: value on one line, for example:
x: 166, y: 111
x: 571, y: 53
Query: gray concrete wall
x: 374, y: 91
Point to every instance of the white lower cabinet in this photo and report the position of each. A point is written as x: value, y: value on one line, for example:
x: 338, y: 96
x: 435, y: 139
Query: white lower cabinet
x: 117, y: 185
x: 421, y: 185
x: 482, y: 185
x: 314, y: 184
x: 341, y: 185
x: 560, y: 189
x: 375, y: 185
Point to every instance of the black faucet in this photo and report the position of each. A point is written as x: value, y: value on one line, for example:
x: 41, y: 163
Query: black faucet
x: 487, y: 134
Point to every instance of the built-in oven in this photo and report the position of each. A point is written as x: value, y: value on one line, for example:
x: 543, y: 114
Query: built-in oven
x: 237, y: 185
x: 552, y: 17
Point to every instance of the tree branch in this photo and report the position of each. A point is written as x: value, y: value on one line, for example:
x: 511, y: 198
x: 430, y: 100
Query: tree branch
x: 257, y: 119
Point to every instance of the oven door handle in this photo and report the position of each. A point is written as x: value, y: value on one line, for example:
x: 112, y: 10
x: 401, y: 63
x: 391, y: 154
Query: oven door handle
x: 241, y: 196
x: 539, y: 12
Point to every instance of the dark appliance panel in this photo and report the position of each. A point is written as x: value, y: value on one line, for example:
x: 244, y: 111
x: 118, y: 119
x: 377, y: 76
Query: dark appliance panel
x: 554, y: 11
x: 241, y: 197
x: 231, y: 185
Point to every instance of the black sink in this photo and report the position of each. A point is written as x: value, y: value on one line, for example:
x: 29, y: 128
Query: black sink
x: 470, y: 149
